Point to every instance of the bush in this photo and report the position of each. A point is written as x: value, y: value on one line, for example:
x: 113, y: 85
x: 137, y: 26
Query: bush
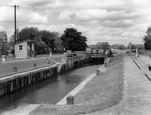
x: 148, y: 45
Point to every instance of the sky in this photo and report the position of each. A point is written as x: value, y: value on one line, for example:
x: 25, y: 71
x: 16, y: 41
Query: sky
x: 113, y: 21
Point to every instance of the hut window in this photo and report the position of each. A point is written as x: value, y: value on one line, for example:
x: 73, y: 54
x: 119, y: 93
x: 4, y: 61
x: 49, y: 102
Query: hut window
x: 20, y: 47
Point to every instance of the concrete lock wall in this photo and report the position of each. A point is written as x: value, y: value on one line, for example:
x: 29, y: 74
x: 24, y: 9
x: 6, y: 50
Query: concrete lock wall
x: 20, y: 81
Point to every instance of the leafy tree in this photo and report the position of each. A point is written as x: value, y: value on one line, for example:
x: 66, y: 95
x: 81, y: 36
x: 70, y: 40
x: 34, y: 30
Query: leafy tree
x: 102, y: 45
x: 147, y: 39
x: 91, y: 46
x: 122, y: 47
x: 119, y: 46
x: 3, y: 43
x: 139, y: 46
x: 11, y: 45
x: 73, y: 40
x: 132, y: 46
x: 49, y: 39
x: 28, y: 33
x: 147, y: 45
x: 58, y: 44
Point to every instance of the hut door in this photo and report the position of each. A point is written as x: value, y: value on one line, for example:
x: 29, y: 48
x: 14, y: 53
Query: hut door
x: 29, y: 50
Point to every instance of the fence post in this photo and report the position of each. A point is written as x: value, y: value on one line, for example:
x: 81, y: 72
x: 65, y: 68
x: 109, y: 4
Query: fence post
x: 15, y: 69
x: 34, y: 65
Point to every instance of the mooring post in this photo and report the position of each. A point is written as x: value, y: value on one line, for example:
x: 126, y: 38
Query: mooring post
x: 70, y: 100
x: 105, y: 64
x: 34, y: 65
x: 97, y: 72
x: 15, y: 69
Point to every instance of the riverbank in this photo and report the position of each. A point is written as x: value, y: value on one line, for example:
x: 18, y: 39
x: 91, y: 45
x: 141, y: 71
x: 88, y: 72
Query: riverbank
x: 103, y: 91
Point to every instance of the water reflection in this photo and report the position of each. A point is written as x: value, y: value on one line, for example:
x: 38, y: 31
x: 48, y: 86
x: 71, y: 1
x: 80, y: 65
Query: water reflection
x: 48, y: 91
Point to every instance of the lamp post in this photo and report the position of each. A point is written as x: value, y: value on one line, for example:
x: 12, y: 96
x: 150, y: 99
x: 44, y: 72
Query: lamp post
x: 15, y: 38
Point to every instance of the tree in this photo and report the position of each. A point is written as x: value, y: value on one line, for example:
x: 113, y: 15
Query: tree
x: 119, y: 46
x: 11, y: 45
x: 28, y: 33
x: 58, y: 44
x: 3, y: 43
x: 102, y: 45
x: 147, y: 45
x: 131, y: 45
x: 147, y: 39
x: 49, y: 39
x: 73, y: 40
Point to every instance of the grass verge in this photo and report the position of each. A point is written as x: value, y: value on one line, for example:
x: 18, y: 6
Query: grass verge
x: 103, y: 91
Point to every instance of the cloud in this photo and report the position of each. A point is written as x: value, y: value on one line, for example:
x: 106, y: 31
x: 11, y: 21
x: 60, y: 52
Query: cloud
x: 35, y: 17
x: 66, y: 15
x: 100, y: 20
x: 25, y: 16
x: 30, y: 3
x: 6, y: 13
x: 119, y: 23
x: 2, y: 28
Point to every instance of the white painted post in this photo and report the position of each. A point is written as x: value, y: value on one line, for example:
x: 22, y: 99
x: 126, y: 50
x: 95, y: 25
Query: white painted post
x: 3, y: 58
x: 136, y: 53
x: 50, y: 53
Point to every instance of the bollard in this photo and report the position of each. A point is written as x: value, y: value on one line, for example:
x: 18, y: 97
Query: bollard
x: 70, y: 100
x: 15, y: 69
x: 109, y: 60
x: 34, y: 65
x: 49, y: 62
x: 97, y: 72
x: 105, y: 64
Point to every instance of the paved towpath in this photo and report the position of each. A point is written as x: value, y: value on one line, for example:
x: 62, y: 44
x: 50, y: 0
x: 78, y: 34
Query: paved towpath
x: 137, y: 90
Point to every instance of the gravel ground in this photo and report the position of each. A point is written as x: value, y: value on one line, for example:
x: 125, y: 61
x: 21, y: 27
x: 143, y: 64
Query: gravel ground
x: 102, y: 92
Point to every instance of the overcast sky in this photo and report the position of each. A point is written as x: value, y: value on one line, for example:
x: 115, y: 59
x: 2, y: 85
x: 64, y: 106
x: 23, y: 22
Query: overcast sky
x: 114, y: 21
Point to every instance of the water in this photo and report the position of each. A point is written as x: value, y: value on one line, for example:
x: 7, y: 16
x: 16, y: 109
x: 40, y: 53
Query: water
x: 49, y: 91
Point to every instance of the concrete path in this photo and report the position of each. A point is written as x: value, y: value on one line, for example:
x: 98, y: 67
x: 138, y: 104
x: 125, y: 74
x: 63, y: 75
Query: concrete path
x: 137, y: 93
x: 144, y: 62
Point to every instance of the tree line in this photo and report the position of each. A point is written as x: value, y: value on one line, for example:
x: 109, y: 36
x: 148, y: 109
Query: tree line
x: 45, y: 41
x: 147, y: 39
x: 71, y: 39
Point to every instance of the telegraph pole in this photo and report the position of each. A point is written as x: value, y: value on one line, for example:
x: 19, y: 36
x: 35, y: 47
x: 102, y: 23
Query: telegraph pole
x: 15, y: 33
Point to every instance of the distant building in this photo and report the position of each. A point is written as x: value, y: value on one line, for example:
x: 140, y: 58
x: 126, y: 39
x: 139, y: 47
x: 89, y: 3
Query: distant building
x: 25, y: 49
x: 94, y: 50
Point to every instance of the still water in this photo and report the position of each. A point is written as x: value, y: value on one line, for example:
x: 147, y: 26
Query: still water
x: 49, y: 91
